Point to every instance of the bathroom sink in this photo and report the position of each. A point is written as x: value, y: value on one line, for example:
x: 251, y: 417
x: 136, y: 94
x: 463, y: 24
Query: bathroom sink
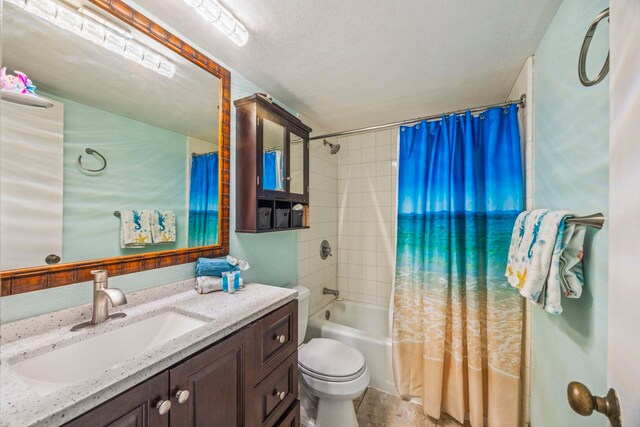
x: 68, y: 365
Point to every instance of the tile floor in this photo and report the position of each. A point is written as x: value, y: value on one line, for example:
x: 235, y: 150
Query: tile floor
x: 378, y: 409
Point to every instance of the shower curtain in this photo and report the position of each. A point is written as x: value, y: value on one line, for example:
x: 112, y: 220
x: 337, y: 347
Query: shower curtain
x: 203, y: 200
x: 457, y: 324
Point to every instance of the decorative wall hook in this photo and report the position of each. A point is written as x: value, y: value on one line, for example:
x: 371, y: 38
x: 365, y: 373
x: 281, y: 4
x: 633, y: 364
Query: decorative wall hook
x: 92, y: 151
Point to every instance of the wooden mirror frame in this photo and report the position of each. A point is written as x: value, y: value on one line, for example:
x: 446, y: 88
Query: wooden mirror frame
x: 32, y: 279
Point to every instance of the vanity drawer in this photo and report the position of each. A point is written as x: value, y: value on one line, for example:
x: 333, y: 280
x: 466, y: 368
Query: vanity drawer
x: 276, y: 393
x: 276, y: 337
x: 291, y: 418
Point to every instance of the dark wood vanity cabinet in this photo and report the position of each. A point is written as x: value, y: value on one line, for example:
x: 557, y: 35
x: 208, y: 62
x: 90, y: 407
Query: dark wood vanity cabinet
x: 136, y: 407
x: 272, y: 166
x: 214, y: 379
x: 247, y: 379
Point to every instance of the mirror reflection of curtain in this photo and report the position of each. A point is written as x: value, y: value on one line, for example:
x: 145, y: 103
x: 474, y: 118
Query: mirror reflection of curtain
x: 273, y: 170
x: 203, y: 200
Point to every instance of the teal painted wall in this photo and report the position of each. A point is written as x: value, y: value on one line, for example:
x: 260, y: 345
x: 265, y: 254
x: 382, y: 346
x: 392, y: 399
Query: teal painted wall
x: 147, y: 169
x: 273, y: 257
x: 571, y: 166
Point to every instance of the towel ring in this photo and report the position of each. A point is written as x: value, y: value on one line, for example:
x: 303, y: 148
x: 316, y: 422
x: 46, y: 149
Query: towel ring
x: 92, y: 151
x: 582, y: 61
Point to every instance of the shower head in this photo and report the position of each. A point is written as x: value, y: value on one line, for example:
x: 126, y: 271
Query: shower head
x: 334, y: 147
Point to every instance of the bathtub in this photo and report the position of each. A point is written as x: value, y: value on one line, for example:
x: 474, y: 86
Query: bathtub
x: 363, y: 326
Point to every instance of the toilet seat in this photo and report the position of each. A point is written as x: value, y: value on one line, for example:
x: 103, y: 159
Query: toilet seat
x: 330, y: 360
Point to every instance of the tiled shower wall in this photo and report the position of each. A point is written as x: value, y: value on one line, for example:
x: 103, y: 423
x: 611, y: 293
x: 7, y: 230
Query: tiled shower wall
x: 313, y: 272
x: 367, y: 215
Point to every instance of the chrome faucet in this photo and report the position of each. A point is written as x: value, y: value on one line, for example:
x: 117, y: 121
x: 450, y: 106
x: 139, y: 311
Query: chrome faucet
x: 334, y: 292
x: 102, y: 294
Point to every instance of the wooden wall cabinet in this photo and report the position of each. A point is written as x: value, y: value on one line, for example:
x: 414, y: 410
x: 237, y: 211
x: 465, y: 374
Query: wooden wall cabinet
x: 247, y: 379
x: 272, y: 165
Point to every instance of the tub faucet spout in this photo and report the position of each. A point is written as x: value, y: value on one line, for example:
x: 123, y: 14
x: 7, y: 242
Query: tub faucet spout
x: 334, y: 292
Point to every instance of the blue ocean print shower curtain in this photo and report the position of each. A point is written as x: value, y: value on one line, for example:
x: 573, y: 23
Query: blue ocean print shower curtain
x: 457, y: 323
x: 203, y: 200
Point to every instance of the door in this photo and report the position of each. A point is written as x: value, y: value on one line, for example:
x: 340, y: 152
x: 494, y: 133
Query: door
x: 624, y: 194
x: 214, y: 380
x: 31, y: 163
x: 272, y: 161
x: 145, y: 405
x: 298, y: 173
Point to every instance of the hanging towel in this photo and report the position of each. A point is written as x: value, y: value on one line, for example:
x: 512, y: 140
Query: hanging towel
x: 163, y: 227
x: 135, y: 228
x: 213, y: 267
x: 279, y: 171
x: 545, y: 258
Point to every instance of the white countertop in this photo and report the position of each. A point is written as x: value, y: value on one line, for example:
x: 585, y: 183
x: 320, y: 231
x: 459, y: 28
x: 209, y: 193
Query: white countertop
x: 23, y: 339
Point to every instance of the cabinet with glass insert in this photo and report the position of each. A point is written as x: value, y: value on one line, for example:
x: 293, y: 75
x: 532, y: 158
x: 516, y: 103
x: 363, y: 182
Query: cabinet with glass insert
x: 272, y: 167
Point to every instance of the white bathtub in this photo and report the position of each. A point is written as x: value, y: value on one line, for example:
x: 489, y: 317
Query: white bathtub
x: 363, y: 326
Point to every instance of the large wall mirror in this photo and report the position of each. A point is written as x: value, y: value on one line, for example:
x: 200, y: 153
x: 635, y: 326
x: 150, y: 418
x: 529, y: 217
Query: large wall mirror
x: 122, y: 160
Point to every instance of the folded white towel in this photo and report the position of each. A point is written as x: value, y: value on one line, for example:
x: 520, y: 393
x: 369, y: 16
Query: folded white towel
x: 135, y: 228
x: 206, y: 284
x: 545, y: 258
x: 163, y: 227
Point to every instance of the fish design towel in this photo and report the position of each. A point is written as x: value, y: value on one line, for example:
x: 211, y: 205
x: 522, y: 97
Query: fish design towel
x: 545, y: 258
x: 163, y: 227
x: 135, y: 228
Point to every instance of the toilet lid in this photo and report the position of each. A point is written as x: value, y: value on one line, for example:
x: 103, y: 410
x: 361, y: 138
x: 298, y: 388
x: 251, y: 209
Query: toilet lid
x: 329, y: 359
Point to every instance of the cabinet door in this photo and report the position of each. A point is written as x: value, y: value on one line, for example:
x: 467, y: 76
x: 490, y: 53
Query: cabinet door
x: 215, y: 382
x: 298, y: 172
x: 272, y: 158
x: 133, y: 408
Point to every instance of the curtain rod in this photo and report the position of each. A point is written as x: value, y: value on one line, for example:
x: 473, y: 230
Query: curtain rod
x: 521, y: 101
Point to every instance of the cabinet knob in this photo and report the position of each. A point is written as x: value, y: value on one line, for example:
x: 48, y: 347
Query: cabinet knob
x: 163, y: 406
x: 280, y: 338
x: 182, y: 395
x: 281, y: 395
x: 288, y: 178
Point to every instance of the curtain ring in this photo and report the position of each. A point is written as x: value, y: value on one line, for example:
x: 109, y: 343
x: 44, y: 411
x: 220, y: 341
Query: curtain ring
x: 582, y: 60
x: 92, y: 151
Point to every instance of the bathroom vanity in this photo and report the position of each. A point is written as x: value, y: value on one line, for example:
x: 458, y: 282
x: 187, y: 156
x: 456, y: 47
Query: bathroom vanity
x: 237, y: 366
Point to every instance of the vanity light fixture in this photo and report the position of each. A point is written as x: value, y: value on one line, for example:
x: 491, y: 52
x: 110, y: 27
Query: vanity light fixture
x: 222, y: 19
x: 90, y: 27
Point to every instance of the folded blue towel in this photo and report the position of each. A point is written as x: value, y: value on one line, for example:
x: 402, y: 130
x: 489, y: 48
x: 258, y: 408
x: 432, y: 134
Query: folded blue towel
x: 213, y: 267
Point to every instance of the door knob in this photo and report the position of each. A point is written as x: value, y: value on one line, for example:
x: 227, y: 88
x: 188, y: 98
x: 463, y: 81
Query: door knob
x: 583, y: 402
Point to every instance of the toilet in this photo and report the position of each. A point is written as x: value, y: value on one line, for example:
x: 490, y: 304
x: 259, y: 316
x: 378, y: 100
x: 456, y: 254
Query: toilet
x: 332, y: 374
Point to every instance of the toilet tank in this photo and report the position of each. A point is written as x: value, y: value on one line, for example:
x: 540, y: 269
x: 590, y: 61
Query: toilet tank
x: 303, y: 310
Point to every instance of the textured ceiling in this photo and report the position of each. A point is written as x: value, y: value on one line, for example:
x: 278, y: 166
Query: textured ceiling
x: 354, y: 63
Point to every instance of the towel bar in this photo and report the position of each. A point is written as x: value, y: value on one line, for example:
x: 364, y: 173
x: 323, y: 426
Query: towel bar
x: 596, y: 220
